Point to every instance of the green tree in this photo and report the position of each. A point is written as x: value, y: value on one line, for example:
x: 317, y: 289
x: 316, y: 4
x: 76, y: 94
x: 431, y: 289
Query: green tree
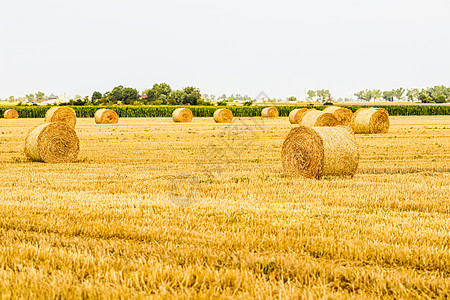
x: 176, y: 98
x: 435, y: 91
x: 389, y: 95
x: 129, y: 95
x: 376, y: 94
x: 440, y: 99
x: 292, y: 99
x: 192, y: 95
x: 324, y: 95
x: 96, y: 96
x: 158, y: 92
x: 413, y: 94
x: 311, y: 95
x: 398, y: 93
x: 30, y: 97
x: 424, y: 96
x: 116, y: 94
x: 39, y: 96
x: 364, y: 95
x: 121, y: 95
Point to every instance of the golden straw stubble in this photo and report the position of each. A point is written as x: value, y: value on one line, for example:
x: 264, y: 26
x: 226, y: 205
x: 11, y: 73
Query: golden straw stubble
x: 296, y: 115
x: 61, y: 114
x: 106, y: 116
x: 269, y: 112
x: 320, y: 151
x: 182, y: 115
x: 342, y: 114
x: 370, y: 120
x: 317, y: 118
x: 11, y: 114
x: 223, y: 115
x: 52, y: 143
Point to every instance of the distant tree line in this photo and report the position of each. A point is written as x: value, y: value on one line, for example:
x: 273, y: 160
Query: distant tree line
x: 437, y: 94
x: 159, y: 94
x: 319, y: 95
x: 163, y: 94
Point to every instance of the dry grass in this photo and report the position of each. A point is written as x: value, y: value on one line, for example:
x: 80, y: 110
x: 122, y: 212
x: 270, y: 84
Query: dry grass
x: 104, y: 227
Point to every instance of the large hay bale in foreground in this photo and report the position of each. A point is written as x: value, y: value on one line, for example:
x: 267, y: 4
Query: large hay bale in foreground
x: 106, y: 116
x: 61, y: 114
x: 223, y: 115
x: 182, y: 115
x: 317, y: 118
x: 296, y: 116
x: 52, y: 143
x: 342, y: 114
x: 320, y: 151
x: 269, y: 112
x: 370, y: 120
x: 11, y: 114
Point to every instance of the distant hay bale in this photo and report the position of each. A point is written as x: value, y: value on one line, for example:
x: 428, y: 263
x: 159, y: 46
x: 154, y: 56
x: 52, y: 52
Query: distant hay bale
x: 269, y: 112
x: 342, y: 114
x: 223, y: 115
x: 296, y: 116
x: 320, y: 151
x: 106, y: 116
x: 317, y: 118
x: 11, y: 114
x: 61, y: 114
x: 52, y: 143
x: 182, y: 115
x: 370, y: 120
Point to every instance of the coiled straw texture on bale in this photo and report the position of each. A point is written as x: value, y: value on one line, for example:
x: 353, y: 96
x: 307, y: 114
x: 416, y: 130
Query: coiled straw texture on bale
x: 370, y: 120
x: 52, y: 143
x: 223, y: 115
x: 106, y: 116
x: 320, y: 151
x: 61, y: 114
x: 317, y: 118
x: 182, y: 115
x: 269, y: 112
x: 296, y: 116
x: 342, y: 114
x: 11, y: 114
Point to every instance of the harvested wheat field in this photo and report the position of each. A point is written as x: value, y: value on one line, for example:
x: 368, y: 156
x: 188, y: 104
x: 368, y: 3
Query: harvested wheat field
x: 106, y: 226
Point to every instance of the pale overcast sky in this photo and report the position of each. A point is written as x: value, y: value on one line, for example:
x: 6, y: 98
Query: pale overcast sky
x: 280, y: 47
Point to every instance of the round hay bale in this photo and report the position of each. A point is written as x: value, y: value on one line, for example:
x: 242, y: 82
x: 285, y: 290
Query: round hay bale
x: 11, y: 114
x: 296, y: 116
x: 223, y: 115
x: 52, y: 143
x: 182, y: 115
x: 317, y: 118
x: 61, y: 114
x: 320, y: 151
x: 342, y: 114
x: 106, y: 116
x: 269, y: 112
x: 370, y: 120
